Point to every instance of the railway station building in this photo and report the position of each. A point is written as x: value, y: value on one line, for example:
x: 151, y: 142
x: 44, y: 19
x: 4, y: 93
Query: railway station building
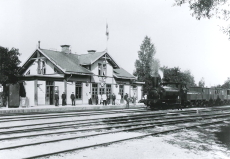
x: 47, y: 72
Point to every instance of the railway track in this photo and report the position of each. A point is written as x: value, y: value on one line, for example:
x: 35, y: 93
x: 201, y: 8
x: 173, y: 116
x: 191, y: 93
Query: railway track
x: 113, y: 126
x: 121, y: 140
x: 113, y: 120
x: 137, y: 127
x: 64, y: 115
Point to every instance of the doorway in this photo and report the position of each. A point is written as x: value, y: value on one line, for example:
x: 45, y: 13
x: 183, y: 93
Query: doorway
x: 50, y: 92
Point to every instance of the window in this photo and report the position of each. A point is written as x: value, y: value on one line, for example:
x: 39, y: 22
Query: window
x: 94, y: 90
x: 108, y: 88
x: 228, y: 92
x: 43, y: 67
x: 39, y: 67
x: 99, y: 69
x: 104, y: 73
x: 78, y: 90
x: 101, y: 91
x: 102, y: 69
x: 50, y: 83
x: 121, y: 90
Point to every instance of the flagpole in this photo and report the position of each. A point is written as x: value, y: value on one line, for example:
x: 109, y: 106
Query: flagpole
x: 107, y: 35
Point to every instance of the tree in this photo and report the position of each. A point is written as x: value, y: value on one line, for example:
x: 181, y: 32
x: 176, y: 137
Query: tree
x: 146, y: 66
x: 226, y: 83
x: 9, y: 62
x: 176, y: 75
x: 207, y: 9
x: 201, y: 82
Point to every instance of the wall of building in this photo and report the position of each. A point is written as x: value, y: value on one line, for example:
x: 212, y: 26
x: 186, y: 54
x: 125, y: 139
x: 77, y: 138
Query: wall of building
x: 29, y: 87
x: 115, y: 89
x: 49, y: 67
x: 41, y: 87
x: 32, y: 68
x: 127, y: 89
x: 109, y: 75
x: 85, y: 91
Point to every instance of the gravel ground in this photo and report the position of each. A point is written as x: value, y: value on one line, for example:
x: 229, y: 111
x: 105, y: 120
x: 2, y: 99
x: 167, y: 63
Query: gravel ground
x: 189, y: 144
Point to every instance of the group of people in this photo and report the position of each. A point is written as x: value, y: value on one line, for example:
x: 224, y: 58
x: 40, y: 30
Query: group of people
x: 103, y: 99
x: 63, y: 96
x: 106, y: 98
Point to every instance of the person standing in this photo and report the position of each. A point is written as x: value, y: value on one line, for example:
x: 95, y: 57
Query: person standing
x: 63, y: 96
x: 89, y: 99
x: 96, y: 96
x: 104, y: 97
x: 108, y: 98
x: 72, y: 96
x: 126, y: 98
x: 118, y: 99
x: 56, y: 97
x: 101, y: 99
x: 134, y: 99
x: 113, y: 99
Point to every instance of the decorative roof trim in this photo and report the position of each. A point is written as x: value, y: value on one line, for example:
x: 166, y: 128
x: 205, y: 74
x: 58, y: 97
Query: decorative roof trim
x: 105, y: 52
x: 52, y: 76
x: 78, y: 73
x: 27, y: 61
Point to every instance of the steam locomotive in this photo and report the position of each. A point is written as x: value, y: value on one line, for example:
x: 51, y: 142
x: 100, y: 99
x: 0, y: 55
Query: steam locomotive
x: 176, y: 95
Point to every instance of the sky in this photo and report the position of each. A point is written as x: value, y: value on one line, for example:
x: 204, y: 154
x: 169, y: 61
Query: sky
x: 180, y: 40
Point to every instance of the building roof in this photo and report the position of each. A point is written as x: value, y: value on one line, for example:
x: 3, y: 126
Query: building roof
x: 90, y: 58
x: 67, y: 62
x: 121, y: 73
x: 72, y: 63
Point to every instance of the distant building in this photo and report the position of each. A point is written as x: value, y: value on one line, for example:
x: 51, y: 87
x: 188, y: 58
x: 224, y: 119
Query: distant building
x: 48, y: 71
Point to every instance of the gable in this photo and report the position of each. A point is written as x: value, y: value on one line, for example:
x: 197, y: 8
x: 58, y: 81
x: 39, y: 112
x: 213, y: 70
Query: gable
x: 56, y: 62
x: 91, y: 58
x: 45, y: 67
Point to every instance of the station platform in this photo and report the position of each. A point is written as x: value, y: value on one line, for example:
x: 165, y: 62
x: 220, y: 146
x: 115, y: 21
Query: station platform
x: 60, y: 108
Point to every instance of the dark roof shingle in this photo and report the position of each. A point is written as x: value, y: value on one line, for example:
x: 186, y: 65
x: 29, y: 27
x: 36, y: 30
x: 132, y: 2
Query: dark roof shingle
x: 121, y: 73
x: 87, y: 59
x: 68, y: 62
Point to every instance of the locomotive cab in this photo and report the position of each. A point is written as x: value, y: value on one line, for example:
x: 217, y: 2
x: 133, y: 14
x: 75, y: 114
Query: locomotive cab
x: 167, y: 95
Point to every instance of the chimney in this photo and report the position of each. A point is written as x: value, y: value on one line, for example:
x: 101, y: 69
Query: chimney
x: 39, y: 44
x: 65, y: 49
x: 91, y: 51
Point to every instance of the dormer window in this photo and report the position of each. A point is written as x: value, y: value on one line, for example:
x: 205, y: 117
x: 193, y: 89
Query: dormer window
x: 104, y: 70
x: 43, y: 67
x: 99, y: 69
x: 39, y: 67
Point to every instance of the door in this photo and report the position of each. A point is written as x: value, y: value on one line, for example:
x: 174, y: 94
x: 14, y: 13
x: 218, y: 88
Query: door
x: 51, y: 95
x: 50, y: 92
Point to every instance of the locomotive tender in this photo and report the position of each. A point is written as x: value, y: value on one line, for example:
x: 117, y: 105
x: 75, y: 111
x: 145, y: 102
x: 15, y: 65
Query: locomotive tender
x: 169, y: 95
